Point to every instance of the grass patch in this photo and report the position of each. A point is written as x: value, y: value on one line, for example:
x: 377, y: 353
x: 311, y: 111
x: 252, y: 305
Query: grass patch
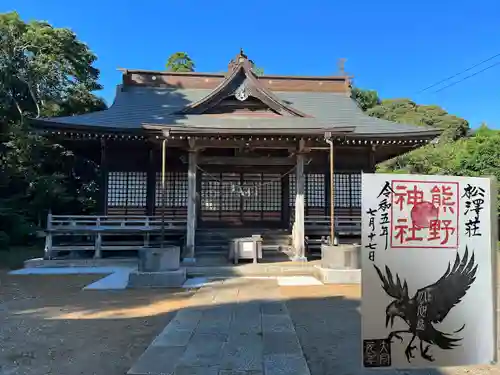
x: 14, y: 257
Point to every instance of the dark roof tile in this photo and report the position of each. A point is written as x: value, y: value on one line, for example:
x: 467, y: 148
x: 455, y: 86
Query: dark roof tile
x: 135, y: 106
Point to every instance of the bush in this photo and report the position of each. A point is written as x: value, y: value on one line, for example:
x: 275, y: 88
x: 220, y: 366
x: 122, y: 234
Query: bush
x: 18, y: 230
x: 4, y: 241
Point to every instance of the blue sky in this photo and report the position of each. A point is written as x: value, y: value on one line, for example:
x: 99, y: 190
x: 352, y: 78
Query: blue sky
x: 394, y: 47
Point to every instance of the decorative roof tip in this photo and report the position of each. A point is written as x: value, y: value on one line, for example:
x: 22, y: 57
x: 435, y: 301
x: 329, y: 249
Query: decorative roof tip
x: 239, y: 59
x: 242, y: 55
x: 341, y: 66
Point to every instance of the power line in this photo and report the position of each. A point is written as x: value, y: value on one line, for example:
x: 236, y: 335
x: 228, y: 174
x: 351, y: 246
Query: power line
x: 459, y: 73
x: 467, y: 77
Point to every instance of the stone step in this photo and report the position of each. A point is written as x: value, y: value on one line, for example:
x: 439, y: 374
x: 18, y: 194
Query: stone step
x: 225, y: 246
x: 220, y: 267
x: 214, y: 239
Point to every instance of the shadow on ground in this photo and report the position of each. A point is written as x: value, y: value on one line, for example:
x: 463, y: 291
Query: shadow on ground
x: 48, y: 325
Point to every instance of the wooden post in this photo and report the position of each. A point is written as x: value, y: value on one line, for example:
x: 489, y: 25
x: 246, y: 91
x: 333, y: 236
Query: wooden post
x: 329, y: 140
x: 98, y: 240
x: 189, y: 254
x: 150, y: 184
x: 103, y: 196
x: 373, y: 162
x: 163, y: 170
x: 48, y: 238
x: 299, y: 205
x: 332, y: 194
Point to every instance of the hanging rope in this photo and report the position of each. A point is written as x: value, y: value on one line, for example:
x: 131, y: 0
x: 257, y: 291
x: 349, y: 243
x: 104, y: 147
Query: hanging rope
x: 247, y: 191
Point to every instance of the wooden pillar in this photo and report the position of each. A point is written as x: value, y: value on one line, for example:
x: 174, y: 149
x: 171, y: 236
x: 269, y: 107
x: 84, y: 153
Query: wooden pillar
x: 151, y: 183
x: 332, y: 192
x: 103, y: 194
x: 189, y: 253
x: 285, y: 201
x: 163, y: 187
x: 299, y: 231
x: 372, y: 162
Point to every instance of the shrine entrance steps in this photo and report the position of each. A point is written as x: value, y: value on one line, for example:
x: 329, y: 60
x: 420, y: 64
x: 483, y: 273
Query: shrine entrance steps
x: 235, y: 326
x: 212, y: 244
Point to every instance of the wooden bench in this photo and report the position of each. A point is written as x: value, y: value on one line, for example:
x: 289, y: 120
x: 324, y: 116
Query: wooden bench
x: 109, y: 233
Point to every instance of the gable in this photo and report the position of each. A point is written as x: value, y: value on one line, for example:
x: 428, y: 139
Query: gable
x: 251, y: 106
x: 241, y: 84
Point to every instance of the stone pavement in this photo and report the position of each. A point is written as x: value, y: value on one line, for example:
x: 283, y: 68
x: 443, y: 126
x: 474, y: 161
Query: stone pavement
x: 232, y: 327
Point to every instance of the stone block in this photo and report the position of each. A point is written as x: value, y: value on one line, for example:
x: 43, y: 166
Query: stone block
x: 243, y: 352
x: 215, y: 320
x: 338, y: 276
x: 281, y: 343
x: 277, y: 323
x: 204, y: 349
x: 341, y: 256
x: 246, y: 319
x: 157, y: 360
x: 152, y: 259
x: 285, y: 364
x: 274, y: 308
x: 167, y: 279
x: 173, y: 337
x: 197, y: 370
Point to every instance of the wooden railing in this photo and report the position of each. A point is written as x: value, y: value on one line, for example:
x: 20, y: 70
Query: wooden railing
x: 88, y: 232
x: 345, y: 225
x: 317, y: 229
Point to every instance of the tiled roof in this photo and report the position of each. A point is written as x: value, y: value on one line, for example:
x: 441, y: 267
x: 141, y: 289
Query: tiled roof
x: 135, y: 106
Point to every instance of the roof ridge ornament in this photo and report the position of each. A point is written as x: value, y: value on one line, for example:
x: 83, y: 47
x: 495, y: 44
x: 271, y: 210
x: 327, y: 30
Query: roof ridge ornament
x: 238, y: 60
x: 341, y: 66
x: 242, y: 57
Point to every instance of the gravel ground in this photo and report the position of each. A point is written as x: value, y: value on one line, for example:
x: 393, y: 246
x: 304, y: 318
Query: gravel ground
x: 49, y: 326
x: 328, y: 324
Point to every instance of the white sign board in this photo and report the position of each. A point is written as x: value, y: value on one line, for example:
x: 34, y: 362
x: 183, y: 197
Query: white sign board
x: 428, y: 271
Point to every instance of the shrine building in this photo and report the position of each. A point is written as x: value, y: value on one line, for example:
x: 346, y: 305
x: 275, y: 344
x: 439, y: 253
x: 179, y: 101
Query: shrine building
x: 238, y: 151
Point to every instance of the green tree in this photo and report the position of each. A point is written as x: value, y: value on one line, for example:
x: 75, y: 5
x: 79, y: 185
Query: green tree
x: 406, y: 111
x: 454, y: 153
x: 44, y: 71
x: 476, y: 155
x: 366, y: 99
x: 257, y: 70
x: 180, y: 62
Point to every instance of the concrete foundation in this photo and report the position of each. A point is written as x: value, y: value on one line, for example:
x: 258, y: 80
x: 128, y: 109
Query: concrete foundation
x: 92, y: 262
x: 341, y: 257
x: 166, y: 258
x: 338, y: 276
x: 165, y: 279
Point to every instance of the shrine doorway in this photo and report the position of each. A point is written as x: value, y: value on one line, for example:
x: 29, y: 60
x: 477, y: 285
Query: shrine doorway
x: 242, y: 199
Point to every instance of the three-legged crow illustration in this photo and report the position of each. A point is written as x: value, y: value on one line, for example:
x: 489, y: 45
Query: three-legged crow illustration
x: 429, y: 305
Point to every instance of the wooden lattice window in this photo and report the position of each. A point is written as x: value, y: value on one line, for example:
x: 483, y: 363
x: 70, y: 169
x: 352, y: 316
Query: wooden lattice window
x: 127, y: 189
x: 229, y: 196
x: 342, y: 193
x: 355, y: 190
x: 210, y: 193
x: 315, y: 190
x: 255, y: 200
x: 271, y: 192
x: 176, y: 189
x: 347, y: 190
